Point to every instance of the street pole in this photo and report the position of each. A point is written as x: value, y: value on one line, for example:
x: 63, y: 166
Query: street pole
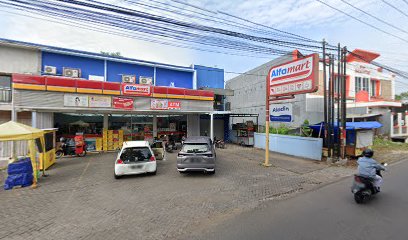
x: 339, y: 96
x: 325, y: 94
x: 266, y: 163
x: 343, y: 103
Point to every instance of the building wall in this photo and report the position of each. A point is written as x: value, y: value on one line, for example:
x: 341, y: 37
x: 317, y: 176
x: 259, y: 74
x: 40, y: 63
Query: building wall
x: 386, y: 89
x: 249, y: 91
x: 208, y: 77
x: 19, y: 60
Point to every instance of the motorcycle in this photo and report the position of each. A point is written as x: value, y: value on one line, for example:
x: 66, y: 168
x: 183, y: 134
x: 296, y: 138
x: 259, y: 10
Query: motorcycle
x: 170, y: 146
x: 363, y: 187
x: 70, y: 150
x: 219, y: 143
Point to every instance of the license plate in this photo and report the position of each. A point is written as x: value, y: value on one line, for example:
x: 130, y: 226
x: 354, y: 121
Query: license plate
x: 136, y: 167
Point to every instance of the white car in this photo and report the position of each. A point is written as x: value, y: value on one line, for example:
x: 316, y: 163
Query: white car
x: 135, y: 157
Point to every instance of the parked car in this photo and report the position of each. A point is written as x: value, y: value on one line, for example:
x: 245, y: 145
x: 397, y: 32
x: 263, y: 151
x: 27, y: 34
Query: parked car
x: 135, y: 157
x: 197, y: 154
x: 158, y: 150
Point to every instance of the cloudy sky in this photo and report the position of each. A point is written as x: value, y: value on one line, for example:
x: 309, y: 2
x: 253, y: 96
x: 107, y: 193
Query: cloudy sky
x: 304, y: 17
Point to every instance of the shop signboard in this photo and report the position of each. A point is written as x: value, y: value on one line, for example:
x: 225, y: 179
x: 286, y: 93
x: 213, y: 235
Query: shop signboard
x: 75, y: 100
x: 175, y: 105
x: 159, y: 104
x: 281, y: 112
x: 123, y: 103
x: 294, y: 77
x: 100, y: 101
x: 136, y: 89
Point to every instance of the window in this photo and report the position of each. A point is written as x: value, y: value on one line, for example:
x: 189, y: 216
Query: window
x: 135, y: 154
x: 361, y: 84
x: 5, y: 89
x: 373, y: 89
x: 195, y: 148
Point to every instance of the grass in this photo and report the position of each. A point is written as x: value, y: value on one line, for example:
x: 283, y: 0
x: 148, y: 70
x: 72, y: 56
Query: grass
x: 382, y: 144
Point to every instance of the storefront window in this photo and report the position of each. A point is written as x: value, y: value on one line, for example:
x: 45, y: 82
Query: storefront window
x: 373, y: 88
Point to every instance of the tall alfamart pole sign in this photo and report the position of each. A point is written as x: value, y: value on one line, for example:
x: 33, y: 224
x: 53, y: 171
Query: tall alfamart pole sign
x: 284, y: 81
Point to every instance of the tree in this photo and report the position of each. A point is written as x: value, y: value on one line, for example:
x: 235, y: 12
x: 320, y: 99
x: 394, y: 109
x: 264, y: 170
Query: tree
x: 402, y: 96
x: 112, y: 54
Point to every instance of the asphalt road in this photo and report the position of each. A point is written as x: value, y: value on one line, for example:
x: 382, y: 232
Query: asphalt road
x: 327, y: 213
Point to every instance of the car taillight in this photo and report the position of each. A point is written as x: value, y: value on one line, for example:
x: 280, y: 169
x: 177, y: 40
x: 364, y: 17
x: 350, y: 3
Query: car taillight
x: 357, y: 179
x: 152, y: 159
x: 119, y: 161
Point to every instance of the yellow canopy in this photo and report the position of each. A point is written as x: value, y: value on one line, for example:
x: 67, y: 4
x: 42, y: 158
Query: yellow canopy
x: 13, y: 131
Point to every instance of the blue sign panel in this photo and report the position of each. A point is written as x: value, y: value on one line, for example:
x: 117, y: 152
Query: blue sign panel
x: 281, y: 112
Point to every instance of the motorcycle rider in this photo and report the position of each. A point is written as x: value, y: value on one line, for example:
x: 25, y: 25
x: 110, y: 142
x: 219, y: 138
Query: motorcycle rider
x: 368, y: 167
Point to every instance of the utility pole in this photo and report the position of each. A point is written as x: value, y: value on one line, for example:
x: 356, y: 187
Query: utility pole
x: 325, y: 97
x: 343, y: 103
x: 267, y: 101
x: 339, y: 96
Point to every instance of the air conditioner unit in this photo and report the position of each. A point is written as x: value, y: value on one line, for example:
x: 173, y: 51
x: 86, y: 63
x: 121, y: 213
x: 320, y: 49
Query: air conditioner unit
x: 128, y: 78
x: 71, y: 72
x: 50, y: 70
x: 145, y: 80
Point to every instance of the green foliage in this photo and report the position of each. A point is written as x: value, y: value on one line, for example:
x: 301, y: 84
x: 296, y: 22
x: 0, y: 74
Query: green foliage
x: 381, y: 143
x: 112, y: 54
x: 282, y: 130
x: 401, y: 96
x: 306, y: 131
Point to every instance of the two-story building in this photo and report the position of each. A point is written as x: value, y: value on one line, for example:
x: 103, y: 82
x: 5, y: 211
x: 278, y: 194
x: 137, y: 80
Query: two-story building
x: 370, y: 94
x: 78, y: 91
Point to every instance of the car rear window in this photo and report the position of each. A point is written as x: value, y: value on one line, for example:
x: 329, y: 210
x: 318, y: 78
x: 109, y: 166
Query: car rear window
x: 195, y: 147
x: 136, y: 154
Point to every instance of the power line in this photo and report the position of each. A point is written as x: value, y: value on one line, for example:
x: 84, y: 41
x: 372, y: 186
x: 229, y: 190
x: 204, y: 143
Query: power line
x: 378, y: 19
x: 395, y: 8
x: 361, y: 21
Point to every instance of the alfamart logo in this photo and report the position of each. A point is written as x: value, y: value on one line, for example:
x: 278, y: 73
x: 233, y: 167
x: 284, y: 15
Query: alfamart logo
x: 296, y: 70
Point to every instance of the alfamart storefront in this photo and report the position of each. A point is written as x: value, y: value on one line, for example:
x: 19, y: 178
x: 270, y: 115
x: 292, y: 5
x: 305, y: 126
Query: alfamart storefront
x: 108, y: 113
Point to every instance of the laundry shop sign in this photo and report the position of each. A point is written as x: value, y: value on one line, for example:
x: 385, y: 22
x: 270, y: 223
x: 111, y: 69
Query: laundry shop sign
x: 281, y: 113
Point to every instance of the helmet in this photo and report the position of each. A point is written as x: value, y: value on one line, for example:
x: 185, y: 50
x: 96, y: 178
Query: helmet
x: 368, y: 153
x: 62, y: 139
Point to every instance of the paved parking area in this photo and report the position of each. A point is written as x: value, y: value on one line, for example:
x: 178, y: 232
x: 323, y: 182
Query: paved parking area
x: 81, y: 200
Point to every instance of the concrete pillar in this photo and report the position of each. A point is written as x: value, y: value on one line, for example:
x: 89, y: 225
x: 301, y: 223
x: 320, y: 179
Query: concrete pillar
x: 399, y: 123
x: 34, y: 119
x: 106, y: 121
x: 212, y: 126
x: 154, y: 126
x: 193, y: 125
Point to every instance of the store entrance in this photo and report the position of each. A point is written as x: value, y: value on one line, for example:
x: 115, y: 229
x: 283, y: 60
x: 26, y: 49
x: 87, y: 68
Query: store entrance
x: 120, y: 128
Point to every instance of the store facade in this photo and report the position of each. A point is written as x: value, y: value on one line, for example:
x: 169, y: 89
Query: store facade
x: 85, y: 93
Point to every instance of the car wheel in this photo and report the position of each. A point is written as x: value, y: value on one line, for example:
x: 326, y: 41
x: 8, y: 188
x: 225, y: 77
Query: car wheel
x: 116, y: 176
x: 212, y: 173
x: 153, y: 173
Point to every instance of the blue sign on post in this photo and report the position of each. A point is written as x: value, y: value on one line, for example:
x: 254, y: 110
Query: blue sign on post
x: 281, y: 113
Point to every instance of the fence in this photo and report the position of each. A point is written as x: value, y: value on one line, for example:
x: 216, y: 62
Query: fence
x: 305, y: 147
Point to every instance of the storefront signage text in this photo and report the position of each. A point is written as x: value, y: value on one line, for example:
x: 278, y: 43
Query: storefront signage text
x: 281, y: 112
x: 75, y: 100
x: 295, y: 77
x: 136, y: 89
x: 160, y: 104
x: 123, y: 103
x: 100, y: 101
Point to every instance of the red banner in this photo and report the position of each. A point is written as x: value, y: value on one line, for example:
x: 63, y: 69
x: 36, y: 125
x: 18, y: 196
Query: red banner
x: 174, y: 105
x: 123, y: 103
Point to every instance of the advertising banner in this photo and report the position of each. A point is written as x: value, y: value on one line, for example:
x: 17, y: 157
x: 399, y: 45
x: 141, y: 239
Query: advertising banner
x: 123, y: 103
x: 159, y: 104
x: 175, y: 105
x: 136, y: 89
x: 75, y: 100
x: 100, y: 101
x: 295, y: 77
x: 281, y: 112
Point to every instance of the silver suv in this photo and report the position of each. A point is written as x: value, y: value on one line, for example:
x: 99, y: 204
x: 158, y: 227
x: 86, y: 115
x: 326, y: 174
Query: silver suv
x: 197, y: 154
